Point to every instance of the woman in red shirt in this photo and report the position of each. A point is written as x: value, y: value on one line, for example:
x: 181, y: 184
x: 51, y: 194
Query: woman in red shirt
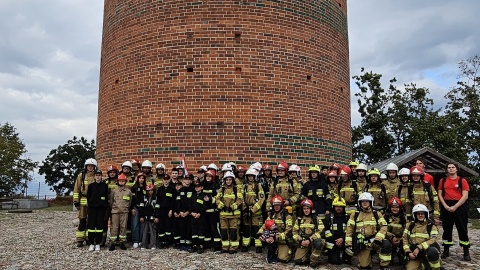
x: 453, y: 195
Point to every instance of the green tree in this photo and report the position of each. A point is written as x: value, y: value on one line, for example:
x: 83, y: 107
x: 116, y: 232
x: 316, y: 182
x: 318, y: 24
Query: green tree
x: 64, y: 164
x: 15, y: 169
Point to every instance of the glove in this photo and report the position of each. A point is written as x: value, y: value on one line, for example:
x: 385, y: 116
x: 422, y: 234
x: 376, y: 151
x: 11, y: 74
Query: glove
x: 77, y: 205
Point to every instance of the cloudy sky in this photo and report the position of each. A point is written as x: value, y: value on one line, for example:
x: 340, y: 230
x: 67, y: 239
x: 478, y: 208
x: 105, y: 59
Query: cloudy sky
x: 50, y: 51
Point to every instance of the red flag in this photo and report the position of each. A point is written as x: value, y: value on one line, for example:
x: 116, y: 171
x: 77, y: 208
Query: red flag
x: 184, y: 165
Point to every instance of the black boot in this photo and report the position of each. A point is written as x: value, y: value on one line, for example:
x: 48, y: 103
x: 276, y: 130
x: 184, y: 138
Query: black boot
x: 244, y: 249
x: 200, y: 249
x: 79, y: 243
x: 466, y: 254
x: 122, y: 246
x: 193, y: 249
x: 112, y: 247
x: 258, y: 250
x: 446, y: 252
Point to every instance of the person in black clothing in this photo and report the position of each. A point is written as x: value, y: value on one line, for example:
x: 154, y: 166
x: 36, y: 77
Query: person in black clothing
x: 176, y: 215
x: 138, y: 192
x: 164, y: 207
x: 148, y: 218
x: 198, y: 206
x: 335, y: 226
x: 97, y: 201
x: 316, y: 190
x: 186, y: 193
x: 212, y: 217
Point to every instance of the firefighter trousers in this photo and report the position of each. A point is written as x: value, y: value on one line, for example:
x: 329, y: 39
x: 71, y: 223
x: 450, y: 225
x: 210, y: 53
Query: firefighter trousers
x: 212, y: 233
x: 81, y: 232
x: 431, y: 255
x: 384, y: 253
x: 251, y: 225
x: 118, y: 227
x: 149, y: 234
x: 95, y: 224
x: 198, y: 229
x: 230, y: 233
x: 164, y: 227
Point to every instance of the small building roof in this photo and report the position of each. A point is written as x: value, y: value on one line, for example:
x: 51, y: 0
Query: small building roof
x: 436, y: 162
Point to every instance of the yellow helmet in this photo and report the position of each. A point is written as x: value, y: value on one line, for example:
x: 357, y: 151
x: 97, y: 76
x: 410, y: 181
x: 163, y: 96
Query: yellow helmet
x: 353, y: 163
x: 314, y: 168
x: 339, y: 202
x: 374, y: 171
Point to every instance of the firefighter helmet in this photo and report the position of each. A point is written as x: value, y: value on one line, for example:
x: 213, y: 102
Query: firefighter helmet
x: 270, y: 225
x: 127, y: 164
x: 353, y: 163
x: 251, y: 171
x: 391, y: 167
x: 365, y: 196
x: 404, y: 171
x: 362, y: 167
x: 122, y: 177
x: 314, y: 168
x: 276, y: 200
x: 212, y: 173
x: 417, y: 170
x: 91, y: 161
x: 307, y: 202
x: 149, y: 186
x: 112, y: 168
x: 161, y: 166
x: 332, y: 174
x: 267, y: 167
x: 227, y: 167
x: 394, y: 201
x: 241, y: 168
x: 98, y: 171
x: 345, y: 170
x: 339, y: 202
x: 374, y: 171
x: 282, y: 166
x: 212, y: 166
x: 229, y: 174
x: 420, y: 208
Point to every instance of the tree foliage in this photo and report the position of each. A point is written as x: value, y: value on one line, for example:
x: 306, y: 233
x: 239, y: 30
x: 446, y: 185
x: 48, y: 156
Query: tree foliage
x: 15, y: 168
x: 62, y: 165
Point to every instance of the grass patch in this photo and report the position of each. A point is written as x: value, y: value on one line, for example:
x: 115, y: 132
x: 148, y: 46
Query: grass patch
x: 475, y: 224
x: 59, y: 208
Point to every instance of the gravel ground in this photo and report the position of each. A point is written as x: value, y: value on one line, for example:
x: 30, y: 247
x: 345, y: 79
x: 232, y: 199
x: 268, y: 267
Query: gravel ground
x: 45, y: 240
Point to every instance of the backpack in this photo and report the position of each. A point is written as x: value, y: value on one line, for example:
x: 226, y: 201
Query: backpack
x: 427, y: 189
x: 429, y: 227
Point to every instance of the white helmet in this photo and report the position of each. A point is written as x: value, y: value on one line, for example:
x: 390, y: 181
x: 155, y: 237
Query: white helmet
x: 203, y: 168
x: 365, y: 196
x: 227, y: 167
x: 212, y: 166
x: 161, y: 166
x: 391, y: 167
x: 294, y: 168
x: 420, y: 208
x: 229, y: 174
x: 383, y: 176
x: 127, y: 164
x: 251, y: 171
x: 147, y: 163
x: 404, y: 171
x: 257, y: 166
x: 362, y: 166
x: 91, y: 161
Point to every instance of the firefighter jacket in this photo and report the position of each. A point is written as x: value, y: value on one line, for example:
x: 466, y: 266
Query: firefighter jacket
x: 348, y: 191
x: 165, y: 197
x: 317, y: 190
x: 378, y: 192
x: 335, y: 227
x: 391, y: 186
x: 97, y: 195
x: 422, y: 234
x: 284, y: 223
x: 266, y: 183
x: 198, y: 204
x: 130, y: 179
x: 158, y: 180
x: 361, y: 183
x: 366, y: 225
x: 402, y: 193
x: 307, y: 228
x: 240, y: 182
x: 396, y: 225
x: 253, y: 198
x: 210, y: 189
x: 184, y: 195
x: 120, y: 200
x: 112, y: 184
x: 297, y: 179
x: 286, y: 188
x: 229, y: 201
x: 332, y: 193
x: 424, y: 193
x: 81, y: 186
x: 146, y: 208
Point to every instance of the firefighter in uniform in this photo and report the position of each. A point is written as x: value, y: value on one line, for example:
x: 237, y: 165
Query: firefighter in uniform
x: 120, y: 202
x: 307, y: 236
x: 366, y: 231
x: 353, y: 168
x: 212, y: 235
x: 229, y: 202
x: 316, y: 190
x: 424, y: 193
x: 160, y: 173
x: 349, y: 192
x: 361, y: 177
x: 164, y: 209
x: 198, y: 206
x: 402, y: 192
x: 253, y: 197
x: 335, y: 228
x: 377, y: 190
x: 396, y: 219
x: 283, y: 219
x: 186, y: 193
x: 127, y: 171
x: 295, y: 174
x: 332, y: 184
x: 284, y: 187
x: 97, y: 200
x: 266, y: 180
x: 85, y: 178
x: 420, y: 241
x: 135, y: 167
x: 240, y: 179
x: 391, y: 185
x: 112, y: 175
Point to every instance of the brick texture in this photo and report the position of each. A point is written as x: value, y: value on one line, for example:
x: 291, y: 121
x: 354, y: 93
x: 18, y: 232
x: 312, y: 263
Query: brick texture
x: 244, y: 81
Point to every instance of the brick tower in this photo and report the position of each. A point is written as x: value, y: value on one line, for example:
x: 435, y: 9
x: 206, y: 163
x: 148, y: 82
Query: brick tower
x: 220, y: 81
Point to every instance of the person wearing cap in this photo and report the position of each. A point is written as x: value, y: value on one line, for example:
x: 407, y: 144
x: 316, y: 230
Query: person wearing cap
x: 212, y: 217
x: 396, y: 220
x: 334, y: 233
x: 97, y: 201
x: 229, y: 202
x: 186, y: 193
x: 198, y: 206
x: 324, y: 170
x: 253, y: 197
x: 164, y: 208
x: 307, y: 236
x: 361, y: 179
x: 120, y: 202
x: 149, y: 218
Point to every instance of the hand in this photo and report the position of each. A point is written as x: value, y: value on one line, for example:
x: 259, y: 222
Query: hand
x: 395, y: 241
x: 270, y: 240
x: 412, y: 256
x: 142, y: 220
x: 305, y: 243
x: 170, y: 213
x: 339, y: 242
x: 327, y: 212
x: 286, y: 203
x: 133, y: 212
x: 176, y: 215
x: 415, y: 252
x: 198, y: 215
x: 156, y: 220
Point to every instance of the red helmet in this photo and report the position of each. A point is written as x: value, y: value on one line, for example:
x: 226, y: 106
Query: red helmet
x: 149, y: 186
x: 270, y: 225
x: 417, y: 170
x: 112, y: 168
x: 393, y: 201
x: 307, y: 202
x: 346, y: 170
x: 122, y: 177
x: 267, y: 167
x: 135, y: 161
x: 142, y: 174
x: 212, y: 173
x: 276, y: 200
x: 332, y: 173
x: 241, y: 168
x: 335, y: 166
x: 282, y: 166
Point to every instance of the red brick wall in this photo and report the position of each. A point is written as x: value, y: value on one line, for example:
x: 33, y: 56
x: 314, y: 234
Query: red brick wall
x: 224, y: 80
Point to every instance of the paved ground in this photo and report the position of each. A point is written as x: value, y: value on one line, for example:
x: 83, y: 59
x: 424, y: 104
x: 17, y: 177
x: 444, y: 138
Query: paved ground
x: 44, y: 240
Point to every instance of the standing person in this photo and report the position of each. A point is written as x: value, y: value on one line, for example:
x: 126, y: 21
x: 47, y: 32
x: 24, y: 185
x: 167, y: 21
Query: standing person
x: 253, y: 197
x: 420, y: 241
x: 198, y: 206
x: 392, y: 182
x: 229, y: 201
x: 424, y: 193
x: 427, y: 178
x: 377, y: 190
x: 212, y: 217
x: 266, y: 179
x: 396, y: 220
x: 186, y: 193
x: 148, y: 218
x: 453, y: 194
x: 111, y: 181
x: 97, y: 201
x: 135, y: 167
x: 361, y: 179
x: 403, y: 194
x: 138, y: 194
x: 80, y: 197
x: 164, y: 207
x: 176, y: 220
x: 284, y: 187
x: 353, y: 169
x: 174, y: 177
x: 160, y: 174
x: 240, y: 173
x: 333, y: 190
x: 295, y: 174
x: 335, y: 228
x: 120, y: 201
x: 316, y: 190
x: 349, y: 192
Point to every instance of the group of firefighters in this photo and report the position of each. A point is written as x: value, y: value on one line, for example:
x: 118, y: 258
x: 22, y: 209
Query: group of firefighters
x: 339, y: 211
